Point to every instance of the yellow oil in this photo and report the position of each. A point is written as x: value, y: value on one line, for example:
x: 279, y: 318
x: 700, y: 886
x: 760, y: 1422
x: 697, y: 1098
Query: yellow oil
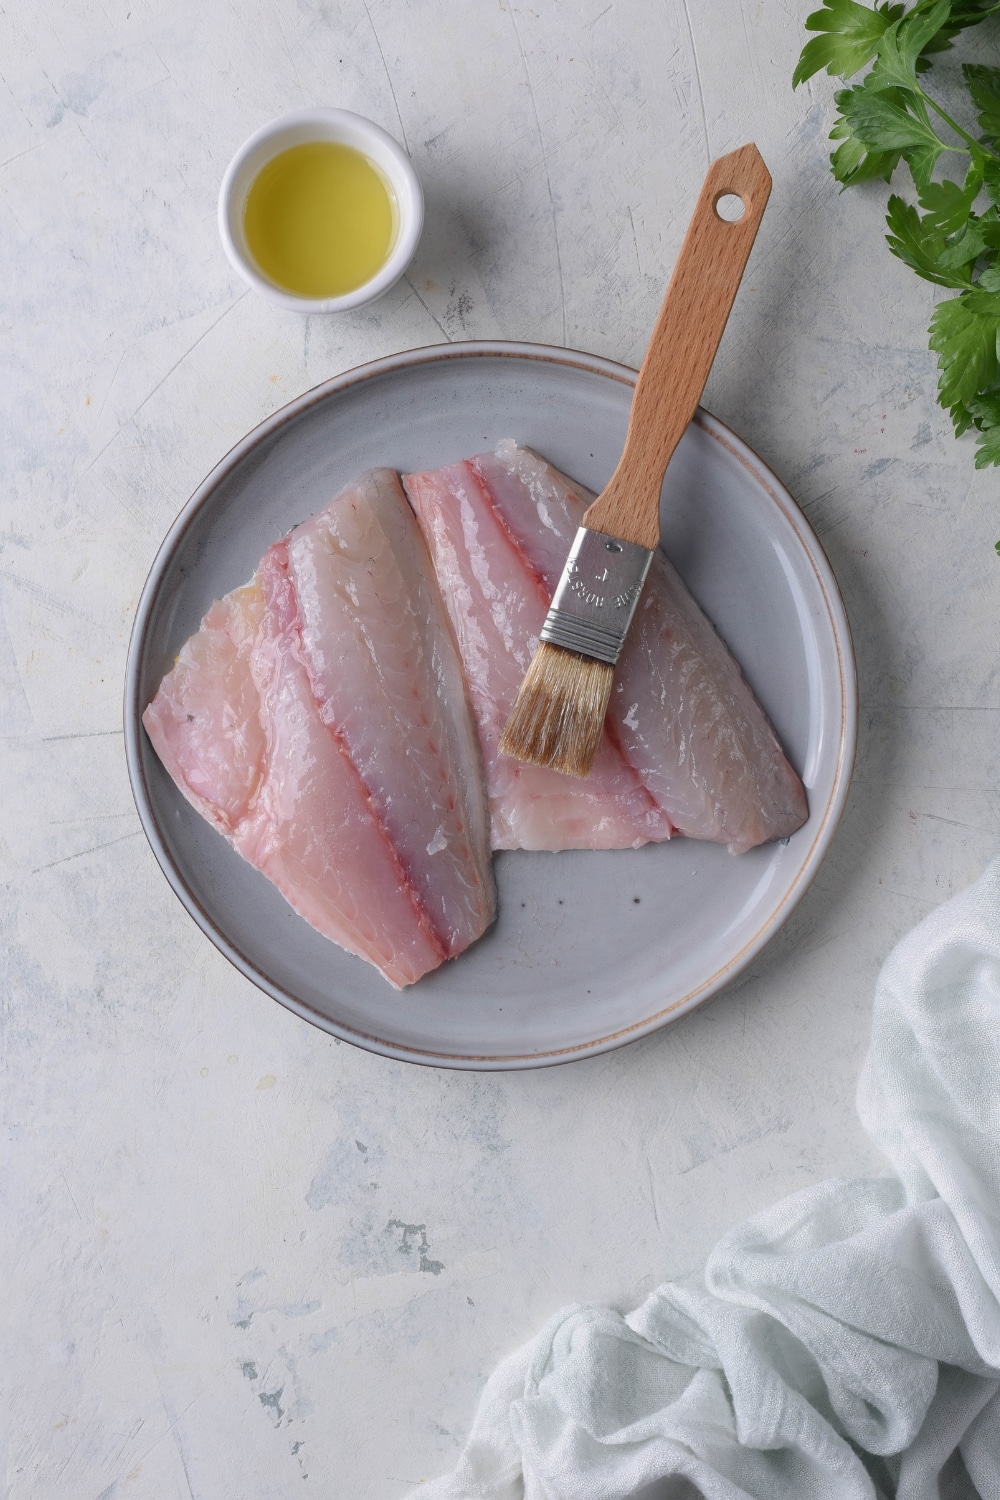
x: 320, y: 219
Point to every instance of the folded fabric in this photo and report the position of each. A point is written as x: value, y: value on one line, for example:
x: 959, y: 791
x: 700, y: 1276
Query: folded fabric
x: 842, y: 1345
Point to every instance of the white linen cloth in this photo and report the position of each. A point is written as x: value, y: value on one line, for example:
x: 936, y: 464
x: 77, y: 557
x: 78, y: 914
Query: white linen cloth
x: 843, y: 1344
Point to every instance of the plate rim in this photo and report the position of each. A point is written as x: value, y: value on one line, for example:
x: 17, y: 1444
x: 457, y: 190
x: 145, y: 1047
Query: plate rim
x: 760, y: 472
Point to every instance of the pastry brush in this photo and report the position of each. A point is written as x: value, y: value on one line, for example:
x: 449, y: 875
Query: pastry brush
x: 558, y: 715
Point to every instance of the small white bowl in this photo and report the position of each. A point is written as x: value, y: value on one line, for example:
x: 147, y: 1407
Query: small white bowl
x: 297, y: 129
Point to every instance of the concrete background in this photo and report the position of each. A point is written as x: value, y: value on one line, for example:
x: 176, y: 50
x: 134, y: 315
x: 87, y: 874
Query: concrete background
x: 237, y: 1255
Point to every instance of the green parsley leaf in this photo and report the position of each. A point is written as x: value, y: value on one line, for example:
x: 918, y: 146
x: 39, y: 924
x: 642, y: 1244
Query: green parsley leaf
x: 991, y: 178
x: 961, y: 417
x: 853, y: 162
x: 921, y: 162
x: 881, y: 122
x: 984, y: 86
x: 986, y: 409
x: 988, y: 225
x: 964, y: 13
x: 964, y: 338
x: 986, y: 415
x: 917, y: 242
x: 947, y: 205
x: 964, y: 250
x: 901, y: 45
x: 851, y: 34
x: 984, y: 304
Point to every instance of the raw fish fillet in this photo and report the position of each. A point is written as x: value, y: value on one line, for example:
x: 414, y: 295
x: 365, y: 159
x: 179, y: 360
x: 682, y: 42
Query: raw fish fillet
x: 319, y: 720
x: 686, y: 747
x: 488, y: 541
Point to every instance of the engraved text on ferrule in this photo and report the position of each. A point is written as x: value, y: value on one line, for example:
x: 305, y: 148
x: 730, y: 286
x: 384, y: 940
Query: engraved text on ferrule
x: 588, y: 595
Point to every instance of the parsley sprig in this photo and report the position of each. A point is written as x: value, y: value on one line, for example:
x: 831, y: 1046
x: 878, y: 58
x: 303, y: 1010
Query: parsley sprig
x: 952, y: 235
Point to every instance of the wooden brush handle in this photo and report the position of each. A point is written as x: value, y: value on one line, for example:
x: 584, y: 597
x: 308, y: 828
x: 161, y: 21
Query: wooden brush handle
x: 687, y: 333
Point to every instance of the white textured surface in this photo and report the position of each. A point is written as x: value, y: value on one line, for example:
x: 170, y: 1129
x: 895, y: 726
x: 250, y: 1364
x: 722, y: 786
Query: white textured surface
x: 235, y: 1252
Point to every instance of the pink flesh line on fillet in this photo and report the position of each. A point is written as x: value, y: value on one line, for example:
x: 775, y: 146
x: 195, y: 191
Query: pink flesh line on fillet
x: 387, y: 680
x: 316, y: 834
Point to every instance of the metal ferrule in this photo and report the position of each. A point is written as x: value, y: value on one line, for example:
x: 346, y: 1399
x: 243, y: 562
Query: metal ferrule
x: 596, y: 596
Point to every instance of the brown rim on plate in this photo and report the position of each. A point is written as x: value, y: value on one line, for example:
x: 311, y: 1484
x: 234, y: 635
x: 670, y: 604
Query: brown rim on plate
x: 761, y: 475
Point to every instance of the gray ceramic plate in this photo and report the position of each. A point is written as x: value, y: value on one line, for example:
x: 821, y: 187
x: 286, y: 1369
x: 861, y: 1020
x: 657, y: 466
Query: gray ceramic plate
x: 590, y: 950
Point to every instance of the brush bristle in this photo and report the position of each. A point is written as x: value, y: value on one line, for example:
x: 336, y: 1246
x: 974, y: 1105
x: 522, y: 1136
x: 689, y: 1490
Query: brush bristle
x: 558, y: 714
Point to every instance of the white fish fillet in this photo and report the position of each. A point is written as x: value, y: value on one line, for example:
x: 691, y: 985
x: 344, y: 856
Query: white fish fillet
x: 319, y: 720
x: 488, y: 542
x: 686, y: 748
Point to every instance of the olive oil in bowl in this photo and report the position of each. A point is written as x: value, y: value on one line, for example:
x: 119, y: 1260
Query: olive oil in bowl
x: 320, y: 220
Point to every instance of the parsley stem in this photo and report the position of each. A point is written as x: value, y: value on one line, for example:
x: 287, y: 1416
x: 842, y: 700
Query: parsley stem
x: 971, y: 140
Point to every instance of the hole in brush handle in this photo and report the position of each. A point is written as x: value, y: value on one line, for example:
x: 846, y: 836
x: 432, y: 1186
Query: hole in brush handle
x: 729, y: 207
